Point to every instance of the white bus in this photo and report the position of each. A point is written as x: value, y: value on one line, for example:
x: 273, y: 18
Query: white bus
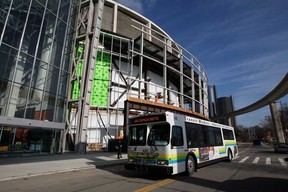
x: 176, y: 143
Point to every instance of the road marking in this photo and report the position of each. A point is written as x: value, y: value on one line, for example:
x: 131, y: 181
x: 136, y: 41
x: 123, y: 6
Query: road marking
x: 244, y: 159
x: 155, y: 185
x: 282, y: 162
x: 256, y: 160
x: 236, y: 157
x: 268, y: 161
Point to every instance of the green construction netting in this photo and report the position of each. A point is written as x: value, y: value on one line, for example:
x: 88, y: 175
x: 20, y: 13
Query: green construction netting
x: 99, y: 96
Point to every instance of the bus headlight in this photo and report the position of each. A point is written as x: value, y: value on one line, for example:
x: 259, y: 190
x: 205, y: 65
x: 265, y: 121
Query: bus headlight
x: 162, y: 162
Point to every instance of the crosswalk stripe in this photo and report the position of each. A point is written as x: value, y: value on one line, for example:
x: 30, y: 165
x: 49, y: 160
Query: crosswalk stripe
x: 282, y: 162
x: 244, y: 159
x: 256, y: 160
x: 268, y: 161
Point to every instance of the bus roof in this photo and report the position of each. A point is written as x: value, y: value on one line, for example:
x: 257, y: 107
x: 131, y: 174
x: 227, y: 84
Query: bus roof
x: 152, y: 117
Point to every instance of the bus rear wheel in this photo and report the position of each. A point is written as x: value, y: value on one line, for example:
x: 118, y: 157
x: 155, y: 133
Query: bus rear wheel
x: 229, y: 157
x: 190, y: 165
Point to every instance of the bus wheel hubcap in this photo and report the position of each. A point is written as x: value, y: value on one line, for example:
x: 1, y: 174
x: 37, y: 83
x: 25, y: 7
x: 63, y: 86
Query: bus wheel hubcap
x: 190, y: 165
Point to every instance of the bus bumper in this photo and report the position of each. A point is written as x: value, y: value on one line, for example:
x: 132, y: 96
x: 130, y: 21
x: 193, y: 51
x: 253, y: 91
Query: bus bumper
x: 150, y: 168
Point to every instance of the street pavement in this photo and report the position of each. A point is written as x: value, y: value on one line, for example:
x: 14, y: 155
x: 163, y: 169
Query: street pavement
x: 23, y: 167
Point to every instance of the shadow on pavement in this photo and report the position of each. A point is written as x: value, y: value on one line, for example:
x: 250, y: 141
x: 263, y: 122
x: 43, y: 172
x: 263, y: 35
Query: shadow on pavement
x: 262, y: 184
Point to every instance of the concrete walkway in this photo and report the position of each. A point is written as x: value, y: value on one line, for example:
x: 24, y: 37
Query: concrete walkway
x: 22, y: 167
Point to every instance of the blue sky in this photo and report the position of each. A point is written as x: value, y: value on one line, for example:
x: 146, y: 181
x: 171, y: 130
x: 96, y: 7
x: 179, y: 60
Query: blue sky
x: 242, y: 44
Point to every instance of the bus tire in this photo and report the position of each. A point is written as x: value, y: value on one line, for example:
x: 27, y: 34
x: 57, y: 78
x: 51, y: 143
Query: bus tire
x: 230, y: 156
x: 190, y: 165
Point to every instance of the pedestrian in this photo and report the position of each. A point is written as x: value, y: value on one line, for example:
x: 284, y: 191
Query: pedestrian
x: 119, y: 148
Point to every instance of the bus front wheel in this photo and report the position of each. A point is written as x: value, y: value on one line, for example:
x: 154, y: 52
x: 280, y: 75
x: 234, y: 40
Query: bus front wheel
x: 190, y: 165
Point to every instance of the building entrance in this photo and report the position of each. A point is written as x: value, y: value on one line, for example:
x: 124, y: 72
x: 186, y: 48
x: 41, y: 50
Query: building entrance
x: 18, y: 140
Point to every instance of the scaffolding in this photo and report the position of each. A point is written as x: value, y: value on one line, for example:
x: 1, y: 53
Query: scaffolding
x: 88, y: 31
x: 119, y: 76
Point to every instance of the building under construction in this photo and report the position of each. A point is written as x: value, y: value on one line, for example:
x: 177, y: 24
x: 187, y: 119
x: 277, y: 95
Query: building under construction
x: 72, y: 72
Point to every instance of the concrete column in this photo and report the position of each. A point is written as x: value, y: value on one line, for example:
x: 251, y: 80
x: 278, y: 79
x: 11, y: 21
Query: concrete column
x: 16, y: 75
x: 41, y: 78
x: 277, y: 122
x: 165, y: 97
x: 115, y: 17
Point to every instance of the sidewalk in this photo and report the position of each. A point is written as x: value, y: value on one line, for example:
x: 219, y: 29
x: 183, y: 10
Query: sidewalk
x: 22, y: 167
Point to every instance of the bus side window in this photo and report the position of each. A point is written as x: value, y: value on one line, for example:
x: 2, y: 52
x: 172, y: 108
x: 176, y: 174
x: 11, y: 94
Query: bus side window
x: 177, y: 136
x: 228, y: 134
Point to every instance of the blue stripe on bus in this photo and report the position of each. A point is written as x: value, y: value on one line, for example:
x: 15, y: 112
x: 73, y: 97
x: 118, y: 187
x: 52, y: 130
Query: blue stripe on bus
x: 176, y: 161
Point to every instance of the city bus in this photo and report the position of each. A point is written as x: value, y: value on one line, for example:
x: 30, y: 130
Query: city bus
x: 175, y: 143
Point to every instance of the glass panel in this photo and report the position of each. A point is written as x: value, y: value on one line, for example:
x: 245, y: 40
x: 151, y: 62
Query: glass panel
x: 137, y: 135
x: 39, y: 79
x: 44, y: 50
x: 32, y: 30
x: 46, y: 41
x: 69, y: 40
x: 52, y: 80
x: 20, y: 141
x: 39, y: 140
x: 177, y: 136
x: 159, y: 135
x: 48, y: 107
x: 42, y: 2
x: 124, y: 47
x: 63, y: 83
x: 116, y: 45
x: 4, y: 6
x: 60, y: 32
x: 25, y: 66
x: 66, y: 62
x: 50, y: 20
x: 218, y: 136
x: 7, y: 138
x: 211, y: 136
x: 56, y: 54
x: 53, y: 5
x: 64, y: 10
x: 16, y: 22
x: 15, y: 101
x: 34, y: 112
x: 60, y: 112
x: 30, y: 112
x: 21, y: 105
x: 228, y: 134
x: 107, y: 42
x: 3, y: 95
x: 7, y: 57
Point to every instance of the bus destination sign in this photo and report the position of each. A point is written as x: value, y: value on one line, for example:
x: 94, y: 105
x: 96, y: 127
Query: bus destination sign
x: 148, y: 119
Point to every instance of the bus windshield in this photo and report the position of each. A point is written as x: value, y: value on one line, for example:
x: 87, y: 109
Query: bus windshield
x: 159, y: 135
x: 137, y: 135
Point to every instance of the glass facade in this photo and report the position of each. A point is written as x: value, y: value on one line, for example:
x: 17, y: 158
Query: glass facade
x: 42, y: 54
x: 34, y: 69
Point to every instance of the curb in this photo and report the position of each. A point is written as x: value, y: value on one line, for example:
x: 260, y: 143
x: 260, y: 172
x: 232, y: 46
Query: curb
x: 46, y: 173
x: 63, y: 171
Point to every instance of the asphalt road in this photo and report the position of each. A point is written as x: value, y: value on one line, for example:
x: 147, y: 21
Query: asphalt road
x: 257, y: 168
